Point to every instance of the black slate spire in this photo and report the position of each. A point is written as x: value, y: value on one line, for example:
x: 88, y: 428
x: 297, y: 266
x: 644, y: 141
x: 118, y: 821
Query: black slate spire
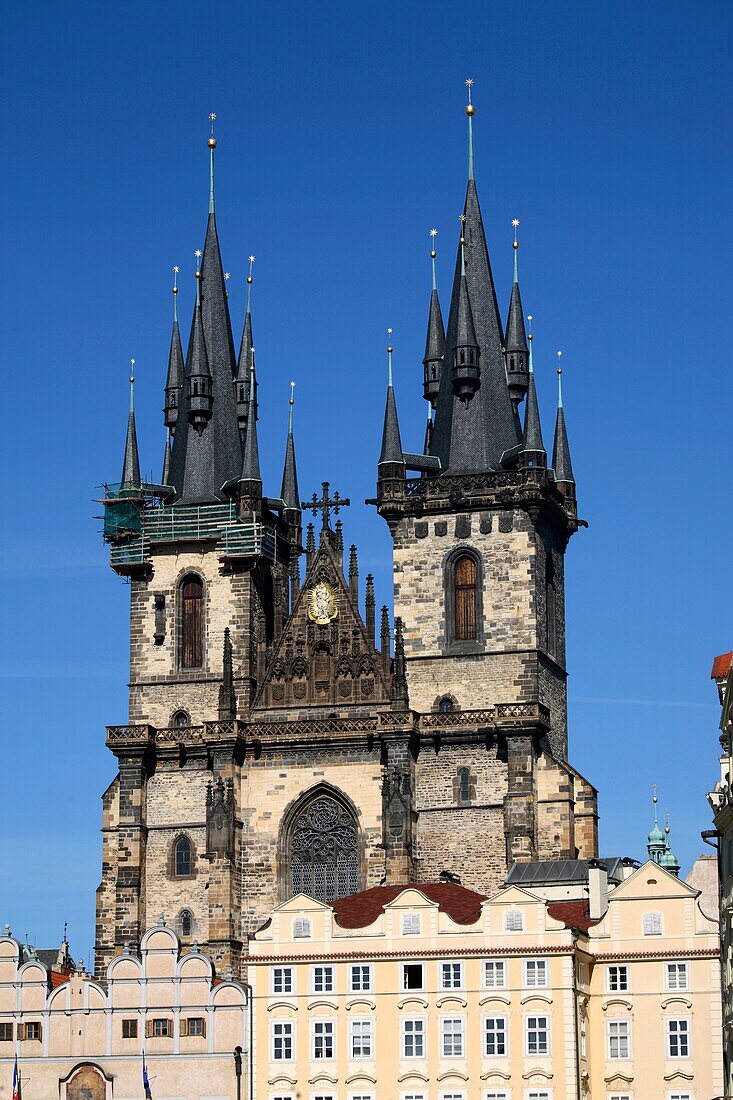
x: 175, y: 375
x: 517, y: 352
x: 391, y: 454
x: 533, y: 449
x: 289, y: 491
x: 561, y: 463
x: 131, y: 461
x: 244, y: 361
x: 207, y: 456
x: 251, y: 479
x: 472, y: 437
x: 434, y: 342
x: 466, y: 369
x: 165, y: 476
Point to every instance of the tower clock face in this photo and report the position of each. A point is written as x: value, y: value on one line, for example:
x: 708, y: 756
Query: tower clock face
x: 321, y: 606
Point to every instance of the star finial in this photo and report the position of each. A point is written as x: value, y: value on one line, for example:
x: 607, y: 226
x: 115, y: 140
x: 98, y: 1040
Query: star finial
x: 198, y: 253
x: 469, y: 85
x: 515, y: 223
x: 227, y: 275
x: 529, y: 323
x: 433, y: 253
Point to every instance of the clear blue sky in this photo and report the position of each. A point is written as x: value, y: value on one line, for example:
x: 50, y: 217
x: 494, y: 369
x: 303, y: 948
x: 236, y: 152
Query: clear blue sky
x: 604, y: 127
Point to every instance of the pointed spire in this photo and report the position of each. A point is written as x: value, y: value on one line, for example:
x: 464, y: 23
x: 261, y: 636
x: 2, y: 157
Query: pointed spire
x: 532, y: 446
x: 131, y: 461
x: 400, y: 700
x: 227, y: 702
x: 470, y: 112
x: 516, y: 351
x: 384, y: 640
x: 198, y: 372
x: 354, y: 574
x: 289, y: 491
x: 655, y: 841
x: 244, y: 362
x: 435, y: 339
x: 391, y: 453
x: 251, y: 476
x: 369, y: 604
x: 561, y: 463
x: 466, y: 371
x: 668, y: 859
x: 176, y: 370
x: 166, y: 475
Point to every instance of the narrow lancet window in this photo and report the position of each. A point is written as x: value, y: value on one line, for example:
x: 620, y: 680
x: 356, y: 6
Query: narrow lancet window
x: 464, y: 583
x: 192, y: 623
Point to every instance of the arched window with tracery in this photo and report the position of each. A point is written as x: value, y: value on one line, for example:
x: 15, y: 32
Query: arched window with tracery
x: 192, y: 622
x: 323, y: 850
x: 464, y: 588
x: 182, y: 861
x: 186, y: 920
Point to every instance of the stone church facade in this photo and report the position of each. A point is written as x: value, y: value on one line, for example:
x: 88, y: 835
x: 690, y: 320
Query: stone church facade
x: 283, y: 736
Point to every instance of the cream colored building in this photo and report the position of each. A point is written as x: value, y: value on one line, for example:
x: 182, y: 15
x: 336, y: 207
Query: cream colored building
x: 77, y: 1038
x: 435, y: 993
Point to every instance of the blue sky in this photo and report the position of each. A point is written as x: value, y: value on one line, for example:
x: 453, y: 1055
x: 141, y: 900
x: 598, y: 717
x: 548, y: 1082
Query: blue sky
x: 604, y: 127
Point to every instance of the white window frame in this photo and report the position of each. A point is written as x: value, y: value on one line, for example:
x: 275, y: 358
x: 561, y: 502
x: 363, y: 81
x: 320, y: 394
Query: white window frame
x: 618, y: 967
x: 496, y: 1094
x: 452, y: 964
x: 676, y: 988
x: 547, y: 1030
x: 459, y: 1034
x: 411, y: 924
x: 484, y: 1032
x: 540, y: 965
x: 679, y: 1096
x: 616, y: 1021
x: 412, y: 1096
x: 302, y: 928
x: 495, y: 963
x: 460, y: 1095
x: 687, y: 1021
x: 423, y: 1037
x: 619, y: 1096
x: 412, y: 988
x: 541, y: 1093
x: 323, y: 1022
x: 513, y: 920
x: 361, y: 1096
x: 361, y: 988
x: 652, y: 919
x: 274, y: 1024
x: 361, y: 1021
x: 289, y: 970
x: 325, y: 968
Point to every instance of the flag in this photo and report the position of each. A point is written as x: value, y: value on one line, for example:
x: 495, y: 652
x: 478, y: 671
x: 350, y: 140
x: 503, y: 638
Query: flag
x: 16, y: 1080
x: 146, y: 1082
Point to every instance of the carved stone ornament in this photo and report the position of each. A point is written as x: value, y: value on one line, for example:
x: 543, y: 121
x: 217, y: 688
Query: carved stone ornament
x: 321, y: 604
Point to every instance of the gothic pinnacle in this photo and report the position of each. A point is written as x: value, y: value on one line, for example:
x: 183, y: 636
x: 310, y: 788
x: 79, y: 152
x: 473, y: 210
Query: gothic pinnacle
x: 561, y: 463
x: 289, y: 491
x: 131, y: 461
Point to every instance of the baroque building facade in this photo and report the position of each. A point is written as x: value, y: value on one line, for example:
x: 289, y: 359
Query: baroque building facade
x: 282, y: 737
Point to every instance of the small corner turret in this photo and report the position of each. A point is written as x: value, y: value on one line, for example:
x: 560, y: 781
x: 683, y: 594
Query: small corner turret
x: 516, y: 351
x: 435, y: 339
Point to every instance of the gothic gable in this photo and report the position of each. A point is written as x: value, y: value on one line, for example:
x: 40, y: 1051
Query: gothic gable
x: 324, y: 656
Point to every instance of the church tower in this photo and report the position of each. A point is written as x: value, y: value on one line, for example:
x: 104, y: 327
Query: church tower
x: 480, y: 536
x: 282, y: 737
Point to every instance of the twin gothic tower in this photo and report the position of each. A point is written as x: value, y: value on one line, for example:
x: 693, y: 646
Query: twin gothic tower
x: 277, y: 742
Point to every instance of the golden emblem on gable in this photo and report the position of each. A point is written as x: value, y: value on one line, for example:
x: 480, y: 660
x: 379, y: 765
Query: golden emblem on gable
x: 321, y: 604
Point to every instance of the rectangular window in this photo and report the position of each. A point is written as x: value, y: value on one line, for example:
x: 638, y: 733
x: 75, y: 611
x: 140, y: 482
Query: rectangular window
x: 411, y: 925
x: 323, y: 1039
x: 361, y: 1096
x: 360, y: 979
x: 361, y: 1039
x: 619, y: 1096
x: 538, y: 1094
x: 162, y: 1028
x: 413, y: 1096
x: 129, y: 1029
x: 452, y: 1096
x: 323, y: 979
x: 495, y: 1039
x: 537, y: 1033
x: 678, y: 1096
x: 451, y: 1037
x: 412, y: 975
x: 652, y: 924
x: 617, y: 979
x: 6, y: 1033
x: 496, y: 1094
x: 535, y: 973
x: 32, y: 1030
x: 495, y: 974
x: 676, y: 976
x: 451, y: 975
x: 282, y: 1041
x: 301, y: 928
x: 282, y: 979
x: 678, y: 1038
x: 619, y: 1039
x: 413, y: 1038
x: 195, y: 1025
x: 513, y: 920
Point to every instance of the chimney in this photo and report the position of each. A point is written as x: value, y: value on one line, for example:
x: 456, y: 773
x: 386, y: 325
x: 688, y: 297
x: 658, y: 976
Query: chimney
x: 597, y: 889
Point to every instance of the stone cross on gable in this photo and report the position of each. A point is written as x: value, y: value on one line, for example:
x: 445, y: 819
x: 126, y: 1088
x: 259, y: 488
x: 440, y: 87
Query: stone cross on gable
x: 325, y: 505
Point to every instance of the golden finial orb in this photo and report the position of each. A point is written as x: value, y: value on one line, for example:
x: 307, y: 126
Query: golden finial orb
x: 211, y: 143
x: 433, y: 254
x: 470, y: 109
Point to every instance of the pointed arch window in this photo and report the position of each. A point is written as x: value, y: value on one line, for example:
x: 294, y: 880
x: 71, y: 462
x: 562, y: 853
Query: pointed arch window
x: 464, y: 785
x: 186, y: 923
x: 182, y: 861
x: 192, y: 622
x: 323, y: 850
x: 464, y: 580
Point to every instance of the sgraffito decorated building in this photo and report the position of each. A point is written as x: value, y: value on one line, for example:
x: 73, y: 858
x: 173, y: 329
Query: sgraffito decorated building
x: 282, y: 736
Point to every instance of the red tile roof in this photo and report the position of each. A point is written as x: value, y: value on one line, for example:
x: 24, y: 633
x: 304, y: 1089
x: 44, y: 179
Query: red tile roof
x: 58, y: 977
x: 573, y: 914
x: 721, y: 666
x: 359, y: 910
